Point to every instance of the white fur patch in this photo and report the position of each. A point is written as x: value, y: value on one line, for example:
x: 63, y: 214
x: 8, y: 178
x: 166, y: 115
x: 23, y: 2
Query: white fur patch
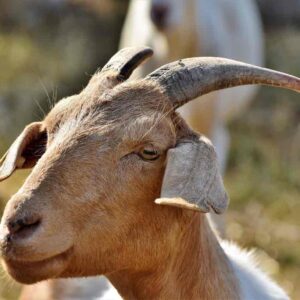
x: 110, y: 294
x: 254, y: 284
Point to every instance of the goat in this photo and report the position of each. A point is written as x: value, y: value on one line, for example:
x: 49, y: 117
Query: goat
x: 178, y: 29
x: 121, y: 184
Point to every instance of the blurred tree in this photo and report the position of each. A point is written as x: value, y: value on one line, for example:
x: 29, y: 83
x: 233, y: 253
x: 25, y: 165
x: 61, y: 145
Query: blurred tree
x: 48, y: 50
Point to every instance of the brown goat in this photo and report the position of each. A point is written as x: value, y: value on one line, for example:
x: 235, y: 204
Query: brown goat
x: 103, y: 161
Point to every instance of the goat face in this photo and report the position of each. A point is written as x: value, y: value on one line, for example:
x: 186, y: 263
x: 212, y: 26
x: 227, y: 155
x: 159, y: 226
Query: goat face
x: 100, y: 160
x: 102, y: 167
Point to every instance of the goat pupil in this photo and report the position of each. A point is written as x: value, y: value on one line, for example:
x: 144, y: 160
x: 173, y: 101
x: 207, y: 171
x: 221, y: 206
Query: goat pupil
x: 149, y: 154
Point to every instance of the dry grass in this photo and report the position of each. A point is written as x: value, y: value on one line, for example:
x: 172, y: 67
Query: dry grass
x: 264, y: 171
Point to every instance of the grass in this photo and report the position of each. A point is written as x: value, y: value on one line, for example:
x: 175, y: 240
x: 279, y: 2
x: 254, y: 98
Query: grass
x: 264, y: 171
x: 262, y: 177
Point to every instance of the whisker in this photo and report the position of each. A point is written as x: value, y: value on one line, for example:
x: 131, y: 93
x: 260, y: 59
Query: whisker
x: 54, y: 97
x: 46, y: 92
x: 41, y: 109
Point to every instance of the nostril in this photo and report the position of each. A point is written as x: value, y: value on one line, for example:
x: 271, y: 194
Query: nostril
x: 23, y: 226
x: 159, y: 14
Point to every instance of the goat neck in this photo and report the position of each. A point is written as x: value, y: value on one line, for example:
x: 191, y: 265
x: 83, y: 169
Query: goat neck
x: 196, y: 268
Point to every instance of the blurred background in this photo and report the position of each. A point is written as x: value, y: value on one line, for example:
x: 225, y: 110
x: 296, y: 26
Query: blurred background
x: 50, y: 48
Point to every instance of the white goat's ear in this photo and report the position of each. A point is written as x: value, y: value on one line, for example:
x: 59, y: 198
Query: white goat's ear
x: 192, y: 178
x: 25, y: 151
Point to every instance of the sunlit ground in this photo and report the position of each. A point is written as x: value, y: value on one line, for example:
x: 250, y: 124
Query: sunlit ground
x: 263, y: 178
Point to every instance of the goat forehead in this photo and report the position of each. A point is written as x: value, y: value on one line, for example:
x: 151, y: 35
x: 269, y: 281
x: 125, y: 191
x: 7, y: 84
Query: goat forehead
x: 132, y: 109
x: 125, y: 127
x: 122, y: 108
x: 111, y: 127
x: 154, y: 128
x: 144, y: 94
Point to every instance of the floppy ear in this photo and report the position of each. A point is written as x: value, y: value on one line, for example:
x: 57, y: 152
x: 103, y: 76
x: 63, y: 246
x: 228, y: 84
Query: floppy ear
x: 192, y: 178
x: 25, y: 151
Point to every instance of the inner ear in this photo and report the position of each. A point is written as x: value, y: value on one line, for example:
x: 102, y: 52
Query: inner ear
x: 35, y: 149
x: 26, y: 150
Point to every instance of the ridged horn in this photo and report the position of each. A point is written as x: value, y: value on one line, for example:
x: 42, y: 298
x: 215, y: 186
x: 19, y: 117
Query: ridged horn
x: 186, y: 79
x: 125, y: 61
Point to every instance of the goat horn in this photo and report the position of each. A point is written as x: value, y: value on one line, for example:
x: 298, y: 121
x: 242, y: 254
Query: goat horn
x: 186, y: 79
x: 125, y: 61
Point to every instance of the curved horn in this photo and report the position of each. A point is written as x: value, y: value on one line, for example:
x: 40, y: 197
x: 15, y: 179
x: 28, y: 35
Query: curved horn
x: 186, y: 79
x: 127, y: 60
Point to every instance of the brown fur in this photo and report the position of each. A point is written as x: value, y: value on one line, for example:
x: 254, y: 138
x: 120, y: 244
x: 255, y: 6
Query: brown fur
x: 94, y: 197
x: 193, y: 267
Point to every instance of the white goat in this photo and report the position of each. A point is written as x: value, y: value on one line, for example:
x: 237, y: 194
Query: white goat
x: 121, y: 185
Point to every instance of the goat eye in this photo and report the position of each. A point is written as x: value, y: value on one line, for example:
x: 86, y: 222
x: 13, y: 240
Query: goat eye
x: 149, y: 153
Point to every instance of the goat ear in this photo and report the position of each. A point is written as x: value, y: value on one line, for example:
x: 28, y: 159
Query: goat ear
x: 25, y: 151
x: 192, y: 178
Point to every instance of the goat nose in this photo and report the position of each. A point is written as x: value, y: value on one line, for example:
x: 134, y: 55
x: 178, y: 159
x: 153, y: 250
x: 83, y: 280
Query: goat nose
x: 159, y: 15
x: 23, y: 227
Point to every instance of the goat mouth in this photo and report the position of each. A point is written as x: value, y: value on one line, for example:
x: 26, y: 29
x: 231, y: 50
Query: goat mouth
x: 29, y: 272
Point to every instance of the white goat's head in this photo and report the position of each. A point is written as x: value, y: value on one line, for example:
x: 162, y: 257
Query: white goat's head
x: 166, y: 14
x: 104, y: 159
